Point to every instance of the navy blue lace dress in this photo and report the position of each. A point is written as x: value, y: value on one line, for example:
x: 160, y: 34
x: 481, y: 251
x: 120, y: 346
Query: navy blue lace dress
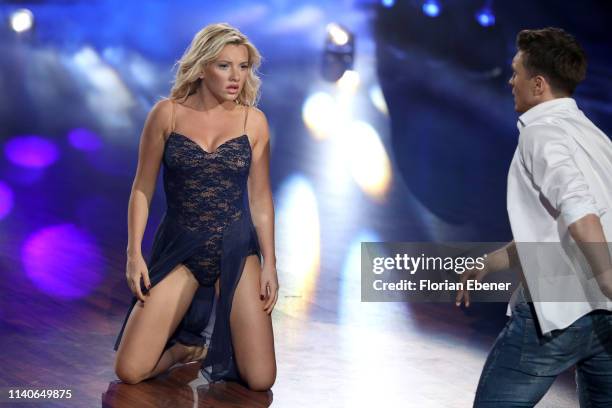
x: 207, y: 227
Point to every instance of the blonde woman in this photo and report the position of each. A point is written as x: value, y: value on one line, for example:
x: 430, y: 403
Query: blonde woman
x: 205, y: 267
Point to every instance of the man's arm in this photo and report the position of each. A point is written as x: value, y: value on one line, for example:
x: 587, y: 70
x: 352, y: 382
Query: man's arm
x: 505, y: 257
x: 589, y: 235
x: 547, y: 153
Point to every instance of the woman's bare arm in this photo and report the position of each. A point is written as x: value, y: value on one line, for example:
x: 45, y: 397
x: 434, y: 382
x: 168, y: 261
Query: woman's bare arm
x: 262, y: 206
x: 260, y: 193
x: 150, y: 153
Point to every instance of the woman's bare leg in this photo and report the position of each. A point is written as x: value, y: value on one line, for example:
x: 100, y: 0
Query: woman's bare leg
x: 151, y: 324
x: 178, y: 353
x: 252, y: 334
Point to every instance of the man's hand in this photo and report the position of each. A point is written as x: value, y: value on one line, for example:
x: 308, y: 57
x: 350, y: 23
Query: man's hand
x: 469, y: 274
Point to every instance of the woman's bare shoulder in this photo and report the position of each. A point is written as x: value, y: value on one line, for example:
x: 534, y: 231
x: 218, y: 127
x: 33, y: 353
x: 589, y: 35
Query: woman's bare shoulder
x: 160, y: 116
x: 259, y: 123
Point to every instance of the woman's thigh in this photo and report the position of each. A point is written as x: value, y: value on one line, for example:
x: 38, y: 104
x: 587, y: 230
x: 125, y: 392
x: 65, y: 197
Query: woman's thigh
x: 251, y: 327
x: 151, y: 324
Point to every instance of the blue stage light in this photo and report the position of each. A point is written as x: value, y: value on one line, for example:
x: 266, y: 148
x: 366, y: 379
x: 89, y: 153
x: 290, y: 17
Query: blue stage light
x: 388, y: 3
x: 431, y: 8
x: 485, y: 17
x: 21, y: 20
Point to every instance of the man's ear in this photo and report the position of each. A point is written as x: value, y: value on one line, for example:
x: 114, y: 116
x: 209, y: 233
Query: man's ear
x: 540, y: 85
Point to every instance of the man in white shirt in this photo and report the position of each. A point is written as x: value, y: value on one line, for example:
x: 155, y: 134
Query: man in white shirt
x: 560, y: 210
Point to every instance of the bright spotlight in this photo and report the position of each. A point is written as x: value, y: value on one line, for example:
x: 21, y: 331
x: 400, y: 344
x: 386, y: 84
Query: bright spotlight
x: 320, y: 114
x: 378, y: 99
x: 339, y: 52
x: 369, y: 162
x: 431, y: 8
x: 349, y: 82
x: 485, y: 17
x: 338, y: 35
x: 22, y: 20
x: 299, y: 243
x: 388, y: 3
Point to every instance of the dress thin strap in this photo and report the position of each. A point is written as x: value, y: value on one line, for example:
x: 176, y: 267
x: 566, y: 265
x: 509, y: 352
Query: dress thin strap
x: 172, y: 104
x: 245, y: 120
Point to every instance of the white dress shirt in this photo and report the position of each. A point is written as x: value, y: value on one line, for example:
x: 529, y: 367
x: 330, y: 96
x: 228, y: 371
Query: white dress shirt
x: 561, y: 171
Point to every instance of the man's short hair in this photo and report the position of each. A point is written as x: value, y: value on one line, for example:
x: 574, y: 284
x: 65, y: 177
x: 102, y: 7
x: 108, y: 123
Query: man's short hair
x: 554, y: 54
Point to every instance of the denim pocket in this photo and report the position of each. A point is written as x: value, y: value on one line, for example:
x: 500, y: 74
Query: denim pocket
x: 551, y: 354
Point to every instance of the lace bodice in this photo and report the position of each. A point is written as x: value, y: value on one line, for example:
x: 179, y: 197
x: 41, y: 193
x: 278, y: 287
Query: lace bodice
x: 205, y: 190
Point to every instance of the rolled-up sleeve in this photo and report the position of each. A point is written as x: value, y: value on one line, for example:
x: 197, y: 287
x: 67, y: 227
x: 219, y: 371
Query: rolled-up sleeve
x: 547, y: 154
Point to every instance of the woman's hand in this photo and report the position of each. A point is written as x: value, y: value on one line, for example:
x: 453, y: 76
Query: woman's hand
x: 268, y: 286
x: 136, y: 268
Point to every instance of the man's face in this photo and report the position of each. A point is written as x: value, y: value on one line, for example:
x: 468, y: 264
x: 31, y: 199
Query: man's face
x: 522, y: 84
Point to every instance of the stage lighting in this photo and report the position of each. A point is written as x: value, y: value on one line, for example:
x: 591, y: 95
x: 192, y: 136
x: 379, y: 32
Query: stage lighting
x: 349, y: 82
x: 339, y: 52
x: 337, y: 34
x: 320, y: 115
x: 368, y: 159
x: 31, y: 151
x: 388, y: 3
x: 431, y: 8
x: 21, y: 20
x: 63, y: 261
x: 6, y: 199
x: 299, y: 242
x: 485, y: 17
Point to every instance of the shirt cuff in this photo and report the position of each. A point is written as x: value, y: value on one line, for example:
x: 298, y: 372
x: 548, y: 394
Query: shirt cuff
x: 574, y: 209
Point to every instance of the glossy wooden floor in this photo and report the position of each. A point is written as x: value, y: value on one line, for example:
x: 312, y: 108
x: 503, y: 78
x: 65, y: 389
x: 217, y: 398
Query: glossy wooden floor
x: 388, y: 355
x: 332, y: 350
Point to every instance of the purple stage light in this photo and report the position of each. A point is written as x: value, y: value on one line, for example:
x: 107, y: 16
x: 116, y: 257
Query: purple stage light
x: 6, y: 199
x: 63, y: 261
x: 84, y: 139
x: 31, y: 151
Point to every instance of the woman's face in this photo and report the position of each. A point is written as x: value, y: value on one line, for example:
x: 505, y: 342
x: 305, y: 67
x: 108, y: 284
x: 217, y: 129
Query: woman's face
x: 225, y: 76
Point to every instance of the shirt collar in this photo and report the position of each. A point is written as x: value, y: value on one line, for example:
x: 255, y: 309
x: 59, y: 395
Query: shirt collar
x: 545, y: 108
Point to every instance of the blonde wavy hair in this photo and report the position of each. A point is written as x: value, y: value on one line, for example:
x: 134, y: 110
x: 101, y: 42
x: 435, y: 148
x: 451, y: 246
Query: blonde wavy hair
x: 205, y: 48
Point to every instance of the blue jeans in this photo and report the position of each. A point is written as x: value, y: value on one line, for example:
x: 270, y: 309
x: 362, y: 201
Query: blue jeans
x: 523, y: 363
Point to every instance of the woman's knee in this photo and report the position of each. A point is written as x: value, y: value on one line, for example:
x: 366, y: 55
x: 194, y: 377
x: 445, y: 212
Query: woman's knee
x: 261, y: 380
x: 130, y: 373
